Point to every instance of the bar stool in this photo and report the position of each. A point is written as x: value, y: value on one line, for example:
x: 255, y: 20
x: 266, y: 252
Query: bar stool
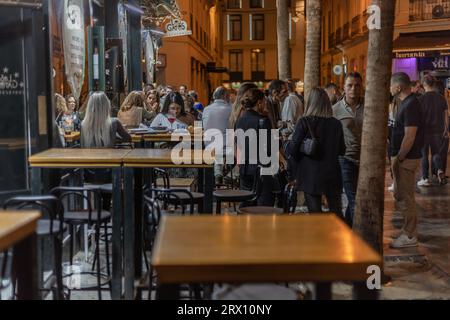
x: 88, y: 217
x: 152, y: 216
x: 51, y: 225
x: 238, y: 196
x: 181, y: 197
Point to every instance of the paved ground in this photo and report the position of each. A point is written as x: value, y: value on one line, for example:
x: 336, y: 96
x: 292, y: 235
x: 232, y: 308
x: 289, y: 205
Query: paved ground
x: 423, y: 272
x: 416, y: 273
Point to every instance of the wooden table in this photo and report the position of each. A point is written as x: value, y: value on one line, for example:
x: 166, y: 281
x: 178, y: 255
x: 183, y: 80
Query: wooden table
x: 18, y: 230
x: 246, y: 249
x: 90, y: 158
x: 134, y: 162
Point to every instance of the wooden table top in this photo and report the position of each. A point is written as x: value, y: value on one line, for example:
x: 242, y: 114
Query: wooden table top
x: 260, y: 249
x: 72, y: 137
x: 167, y: 137
x: 69, y: 158
x: 161, y: 158
x: 16, y: 226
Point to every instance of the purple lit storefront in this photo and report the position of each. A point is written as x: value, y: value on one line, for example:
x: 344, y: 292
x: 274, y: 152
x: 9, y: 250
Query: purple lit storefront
x: 418, y: 54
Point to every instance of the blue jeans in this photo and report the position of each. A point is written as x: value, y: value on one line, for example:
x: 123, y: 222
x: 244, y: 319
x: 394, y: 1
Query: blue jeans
x: 350, y: 172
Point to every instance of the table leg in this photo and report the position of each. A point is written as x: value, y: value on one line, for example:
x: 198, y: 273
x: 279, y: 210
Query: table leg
x: 139, y: 232
x: 36, y: 181
x: 129, y: 233
x: 25, y: 262
x: 209, y: 189
x: 323, y: 291
x: 362, y: 292
x: 117, y: 267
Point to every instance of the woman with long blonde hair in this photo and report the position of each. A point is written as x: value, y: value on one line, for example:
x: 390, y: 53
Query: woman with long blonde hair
x: 98, y: 129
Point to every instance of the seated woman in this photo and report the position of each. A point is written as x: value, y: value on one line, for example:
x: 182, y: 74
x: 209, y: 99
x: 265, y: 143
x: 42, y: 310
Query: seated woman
x: 131, y: 112
x: 152, y: 105
x: 172, y: 114
x: 193, y: 114
x: 318, y: 174
x: 69, y: 118
x: 98, y: 129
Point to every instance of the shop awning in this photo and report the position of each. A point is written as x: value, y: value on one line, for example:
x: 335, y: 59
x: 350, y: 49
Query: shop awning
x: 423, y: 44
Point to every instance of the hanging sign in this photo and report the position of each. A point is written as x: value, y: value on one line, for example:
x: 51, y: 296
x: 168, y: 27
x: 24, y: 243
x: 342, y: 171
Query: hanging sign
x: 74, y: 44
x: 177, y: 28
x: 123, y: 34
x: 149, y: 56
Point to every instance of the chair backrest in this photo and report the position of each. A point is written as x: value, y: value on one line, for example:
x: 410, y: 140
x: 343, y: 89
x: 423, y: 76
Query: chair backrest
x: 83, y: 193
x: 50, y: 206
x: 152, y: 211
x: 164, y: 174
x: 172, y: 196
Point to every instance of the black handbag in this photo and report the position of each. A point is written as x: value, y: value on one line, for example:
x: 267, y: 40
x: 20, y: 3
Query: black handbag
x: 310, y: 144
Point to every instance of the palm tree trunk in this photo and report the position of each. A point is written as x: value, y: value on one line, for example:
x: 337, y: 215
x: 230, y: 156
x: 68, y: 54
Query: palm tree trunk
x: 313, y: 37
x: 369, y: 214
x: 284, y: 51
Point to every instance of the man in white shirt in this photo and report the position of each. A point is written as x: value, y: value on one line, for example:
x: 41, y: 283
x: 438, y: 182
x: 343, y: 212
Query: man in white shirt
x: 216, y: 116
x: 293, y: 110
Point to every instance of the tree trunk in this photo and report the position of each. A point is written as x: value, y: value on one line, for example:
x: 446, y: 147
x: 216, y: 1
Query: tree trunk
x: 313, y: 37
x: 369, y: 214
x: 284, y: 50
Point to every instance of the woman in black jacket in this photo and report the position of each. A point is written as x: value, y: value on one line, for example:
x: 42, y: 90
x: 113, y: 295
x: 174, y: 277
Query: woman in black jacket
x: 319, y: 174
x: 253, y: 120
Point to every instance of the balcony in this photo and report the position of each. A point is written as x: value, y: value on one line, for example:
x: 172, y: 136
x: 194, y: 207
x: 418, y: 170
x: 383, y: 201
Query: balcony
x: 346, y: 32
x: 236, y: 76
x: 258, y: 76
x: 422, y: 10
x: 356, y: 21
x: 338, y: 36
x: 365, y: 18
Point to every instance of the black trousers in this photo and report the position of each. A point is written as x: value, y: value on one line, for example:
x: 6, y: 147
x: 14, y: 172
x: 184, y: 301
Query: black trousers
x: 314, y: 203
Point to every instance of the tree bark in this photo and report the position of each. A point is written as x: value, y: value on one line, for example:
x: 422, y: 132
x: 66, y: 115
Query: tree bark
x: 284, y: 50
x: 369, y: 214
x: 313, y: 37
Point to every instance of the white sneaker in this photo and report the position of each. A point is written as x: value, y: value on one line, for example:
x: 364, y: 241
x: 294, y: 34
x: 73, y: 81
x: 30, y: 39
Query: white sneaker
x: 424, y: 183
x: 391, y: 188
x: 404, y: 242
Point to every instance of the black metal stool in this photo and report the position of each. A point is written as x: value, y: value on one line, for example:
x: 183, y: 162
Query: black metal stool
x: 181, y: 197
x: 89, y: 216
x: 52, y: 225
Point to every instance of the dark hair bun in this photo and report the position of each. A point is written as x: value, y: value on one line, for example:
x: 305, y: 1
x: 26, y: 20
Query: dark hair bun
x: 251, y: 98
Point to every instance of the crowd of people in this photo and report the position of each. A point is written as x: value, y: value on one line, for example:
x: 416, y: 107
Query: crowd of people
x: 320, y: 143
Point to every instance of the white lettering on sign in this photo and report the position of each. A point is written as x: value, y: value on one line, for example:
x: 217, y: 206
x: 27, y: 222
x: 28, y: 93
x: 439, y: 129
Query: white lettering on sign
x: 374, y: 20
x: 177, y: 28
x: 10, y: 83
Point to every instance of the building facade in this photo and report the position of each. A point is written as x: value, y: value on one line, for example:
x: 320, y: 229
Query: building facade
x: 250, y: 41
x: 192, y: 60
x: 421, y: 39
